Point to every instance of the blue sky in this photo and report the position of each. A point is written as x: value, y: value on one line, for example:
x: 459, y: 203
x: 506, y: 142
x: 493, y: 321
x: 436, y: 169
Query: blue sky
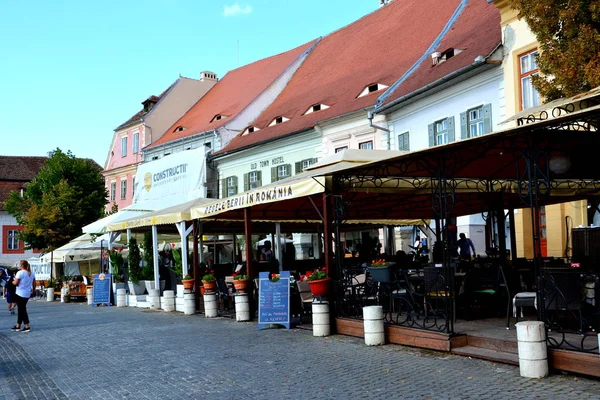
x: 72, y: 70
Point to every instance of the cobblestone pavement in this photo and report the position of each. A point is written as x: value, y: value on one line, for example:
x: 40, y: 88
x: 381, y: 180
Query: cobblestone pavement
x: 75, y: 351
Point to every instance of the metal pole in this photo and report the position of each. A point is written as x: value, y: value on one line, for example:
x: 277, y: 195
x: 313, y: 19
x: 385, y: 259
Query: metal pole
x: 184, y: 249
x: 155, y: 259
x: 513, y: 237
x: 278, y: 244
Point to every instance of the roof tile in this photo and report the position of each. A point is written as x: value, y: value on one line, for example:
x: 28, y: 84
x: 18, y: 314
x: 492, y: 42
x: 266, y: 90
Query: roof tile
x: 377, y: 48
x: 231, y: 95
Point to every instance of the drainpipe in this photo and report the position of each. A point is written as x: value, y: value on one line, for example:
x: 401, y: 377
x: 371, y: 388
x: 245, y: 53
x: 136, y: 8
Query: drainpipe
x: 381, y: 128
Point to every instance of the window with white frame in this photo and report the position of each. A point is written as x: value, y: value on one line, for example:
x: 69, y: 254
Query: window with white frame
x: 476, y: 121
x: 283, y: 171
x: 12, y: 240
x: 403, y: 142
x: 113, y: 191
x: 366, y: 145
x: 231, y: 186
x: 441, y: 131
x: 527, y: 69
x: 123, y: 146
x: 136, y: 142
x: 253, y: 179
x: 123, y: 189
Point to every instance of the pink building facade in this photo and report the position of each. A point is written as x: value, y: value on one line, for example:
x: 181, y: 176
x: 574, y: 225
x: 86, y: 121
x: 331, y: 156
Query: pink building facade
x: 143, y: 128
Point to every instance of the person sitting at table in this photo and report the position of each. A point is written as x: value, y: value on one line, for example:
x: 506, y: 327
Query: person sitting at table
x: 464, y: 246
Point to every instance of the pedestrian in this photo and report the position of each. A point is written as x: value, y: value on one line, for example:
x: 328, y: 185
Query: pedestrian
x: 25, y: 286
x: 9, y: 293
x: 465, y: 245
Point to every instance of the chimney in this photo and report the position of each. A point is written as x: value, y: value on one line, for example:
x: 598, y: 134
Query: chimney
x: 208, y: 76
x: 435, y: 57
x: 384, y: 3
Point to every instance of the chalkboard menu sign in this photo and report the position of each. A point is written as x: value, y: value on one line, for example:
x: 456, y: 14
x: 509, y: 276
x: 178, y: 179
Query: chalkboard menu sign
x: 274, y: 300
x: 102, y: 285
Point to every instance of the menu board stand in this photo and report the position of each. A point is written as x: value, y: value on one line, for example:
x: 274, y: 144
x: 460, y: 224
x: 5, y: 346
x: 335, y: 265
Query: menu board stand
x: 274, y: 300
x: 102, y: 286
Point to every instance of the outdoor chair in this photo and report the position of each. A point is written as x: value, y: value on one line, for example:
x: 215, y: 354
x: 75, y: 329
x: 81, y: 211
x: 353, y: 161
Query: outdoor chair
x: 306, y: 299
x: 434, y: 285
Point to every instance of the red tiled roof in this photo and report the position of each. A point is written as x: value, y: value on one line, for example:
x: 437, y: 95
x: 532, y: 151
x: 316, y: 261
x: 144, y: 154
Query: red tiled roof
x: 20, y: 168
x: 476, y: 32
x: 377, y: 48
x: 6, y: 188
x: 232, y: 94
x: 138, y: 115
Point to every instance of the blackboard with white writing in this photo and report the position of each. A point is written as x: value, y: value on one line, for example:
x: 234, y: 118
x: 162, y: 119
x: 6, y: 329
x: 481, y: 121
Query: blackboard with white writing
x: 274, y: 300
x: 102, y: 285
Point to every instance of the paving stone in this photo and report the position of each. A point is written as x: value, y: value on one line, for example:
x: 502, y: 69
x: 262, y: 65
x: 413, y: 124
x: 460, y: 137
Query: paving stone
x: 76, y: 351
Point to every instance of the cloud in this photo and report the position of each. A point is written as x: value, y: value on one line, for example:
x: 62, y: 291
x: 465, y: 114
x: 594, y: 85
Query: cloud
x: 236, y: 9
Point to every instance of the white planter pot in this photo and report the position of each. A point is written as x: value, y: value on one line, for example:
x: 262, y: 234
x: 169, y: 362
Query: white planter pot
x: 136, y: 288
x: 116, y: 286
x: 150, y: 286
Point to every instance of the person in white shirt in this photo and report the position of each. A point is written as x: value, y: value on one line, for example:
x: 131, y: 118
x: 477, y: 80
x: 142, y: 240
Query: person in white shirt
x: 25, y: 284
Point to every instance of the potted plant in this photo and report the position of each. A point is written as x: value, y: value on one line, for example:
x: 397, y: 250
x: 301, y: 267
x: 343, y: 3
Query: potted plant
x: 209, y: 282
x: 134, y: 259
x: 240, y: 282
x: 318, y: 281
x: 116, y: 261
x: 380, y: 271
x: 188, y: 283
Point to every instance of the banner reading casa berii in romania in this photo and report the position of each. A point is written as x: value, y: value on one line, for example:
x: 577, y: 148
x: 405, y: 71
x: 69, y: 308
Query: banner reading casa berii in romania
x: 181, y: 174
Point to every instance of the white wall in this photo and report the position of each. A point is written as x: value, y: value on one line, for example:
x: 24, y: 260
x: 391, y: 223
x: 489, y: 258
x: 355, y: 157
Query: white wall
x: 287, y: 150
x: 478, y: 90
x: 350, y: 131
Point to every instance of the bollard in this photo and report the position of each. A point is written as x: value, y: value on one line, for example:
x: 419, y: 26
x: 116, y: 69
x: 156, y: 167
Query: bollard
x: 189, y: 304
x: 320, y: 318
x: 373, y: 325
x: 533, y: 353
x: 121, y: 298
x: 63, y: 293
x: 210, y: 305
x: 168, y: 303
x: 242, y: 307
x: 90, y: 296
x: 50, y: 294
x: 154, y: 298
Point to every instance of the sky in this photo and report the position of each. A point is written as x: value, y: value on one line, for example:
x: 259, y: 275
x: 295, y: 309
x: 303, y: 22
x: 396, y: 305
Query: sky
x: 71, y: 71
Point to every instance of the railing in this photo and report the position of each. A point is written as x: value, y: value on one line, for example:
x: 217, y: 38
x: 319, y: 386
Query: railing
x: 422, y: 300
x: 571, y: 309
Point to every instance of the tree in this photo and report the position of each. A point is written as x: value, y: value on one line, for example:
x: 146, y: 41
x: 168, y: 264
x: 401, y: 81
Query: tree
x: 67, y: 194
x: 569, y: 35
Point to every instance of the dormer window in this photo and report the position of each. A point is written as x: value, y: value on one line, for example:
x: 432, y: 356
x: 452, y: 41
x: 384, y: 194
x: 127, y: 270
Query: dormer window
x: 250, y: 129
x: 446, y: 55
x: 218, y: 117
x: 278, y: 120
x: 178, y: 129
x: 374, y: 87
x: 315, y: 108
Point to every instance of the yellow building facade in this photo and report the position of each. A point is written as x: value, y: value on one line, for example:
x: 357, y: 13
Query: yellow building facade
x: 520, y: 48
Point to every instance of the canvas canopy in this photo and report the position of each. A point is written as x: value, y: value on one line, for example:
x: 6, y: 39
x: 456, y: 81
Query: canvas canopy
x: 82, y: 248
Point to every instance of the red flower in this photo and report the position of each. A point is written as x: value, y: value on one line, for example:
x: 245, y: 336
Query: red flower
x: 324, y: 269
x: 212, y: 271
x: 173, y: 245
x: 273, y: 275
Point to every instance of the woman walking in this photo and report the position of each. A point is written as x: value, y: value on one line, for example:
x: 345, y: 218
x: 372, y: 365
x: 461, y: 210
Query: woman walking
x: 25, y: 283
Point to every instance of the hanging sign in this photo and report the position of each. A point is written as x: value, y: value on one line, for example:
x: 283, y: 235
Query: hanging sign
x: 102, y: 285
x: 274, y: 300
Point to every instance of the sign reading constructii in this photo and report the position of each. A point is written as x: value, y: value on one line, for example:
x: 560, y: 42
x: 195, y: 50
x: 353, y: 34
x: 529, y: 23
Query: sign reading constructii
x: 181, y: 173
x: 267, y: 194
